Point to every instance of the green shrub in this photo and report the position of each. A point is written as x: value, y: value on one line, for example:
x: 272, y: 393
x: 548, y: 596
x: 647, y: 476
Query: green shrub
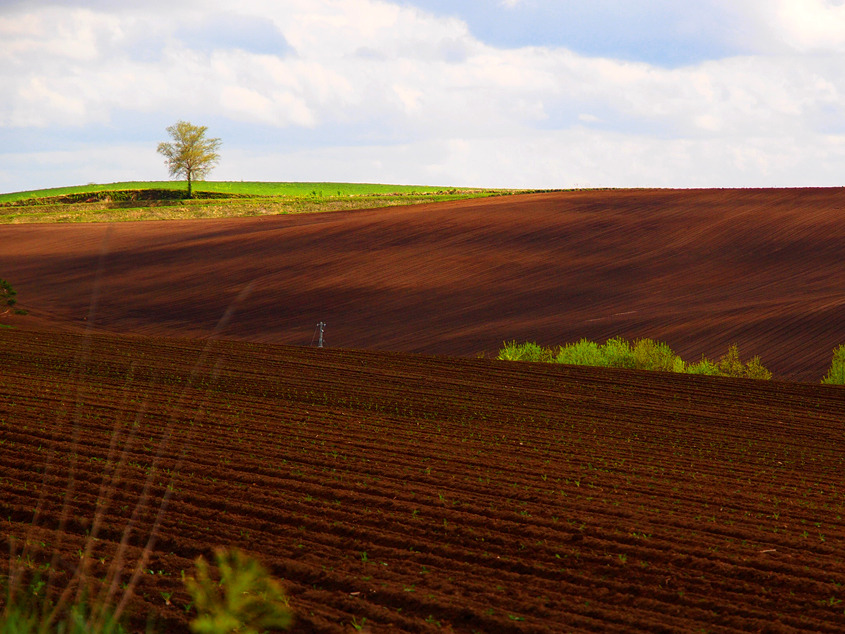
x: 655, y: 355
x: 643, y: 354
x: 754, y: 370
x: 618, y: 353
x: 836, y: 375
x: 510, y: 351
x: 528, y: 351
x: 704, y: 367
x: 730, y: 363
x: 582, y: 353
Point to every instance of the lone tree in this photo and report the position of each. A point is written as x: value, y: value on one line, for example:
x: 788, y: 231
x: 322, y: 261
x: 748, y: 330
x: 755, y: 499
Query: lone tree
x: 190, y: 154
x: 7, y: 297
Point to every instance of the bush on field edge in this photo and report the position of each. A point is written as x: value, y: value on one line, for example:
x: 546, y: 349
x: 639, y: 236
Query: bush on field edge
x: 641, y: 354
x: 836, y: 374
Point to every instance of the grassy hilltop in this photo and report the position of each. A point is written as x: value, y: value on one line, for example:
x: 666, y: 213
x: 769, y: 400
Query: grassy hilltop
x: 165, y: 200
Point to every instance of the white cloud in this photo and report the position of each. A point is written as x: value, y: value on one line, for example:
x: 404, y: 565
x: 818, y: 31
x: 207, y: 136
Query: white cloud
x: 578, y: 157
x: 811, y: 24
x: 390, y: 92
x: 69, y: 34
x: 97, y: 163
x: 410, y: 97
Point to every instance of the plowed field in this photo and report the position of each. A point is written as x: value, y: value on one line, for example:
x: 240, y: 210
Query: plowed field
x: 698, y: 269
x: 425, y: 494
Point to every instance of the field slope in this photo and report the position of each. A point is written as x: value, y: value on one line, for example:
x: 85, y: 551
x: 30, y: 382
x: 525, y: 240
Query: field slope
x: 698, y: 269
x: 425, y: 493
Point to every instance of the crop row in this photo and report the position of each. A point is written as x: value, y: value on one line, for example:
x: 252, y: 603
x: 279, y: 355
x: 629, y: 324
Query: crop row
x: 416, y: 491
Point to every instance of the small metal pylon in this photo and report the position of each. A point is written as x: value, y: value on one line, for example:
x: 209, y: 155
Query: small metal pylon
x: 320, y: 327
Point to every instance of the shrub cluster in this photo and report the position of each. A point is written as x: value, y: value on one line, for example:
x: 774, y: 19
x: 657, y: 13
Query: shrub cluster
x: 836, y: 374
x: 528, y: 351
x: 641, y: 354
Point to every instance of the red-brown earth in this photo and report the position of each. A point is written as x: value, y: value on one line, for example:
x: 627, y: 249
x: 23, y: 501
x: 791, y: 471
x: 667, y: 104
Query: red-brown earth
x: 698, y: 269
x: 427, y: 493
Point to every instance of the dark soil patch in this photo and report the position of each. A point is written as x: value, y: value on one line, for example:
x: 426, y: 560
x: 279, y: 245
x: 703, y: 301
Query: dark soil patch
x: 427, y: 493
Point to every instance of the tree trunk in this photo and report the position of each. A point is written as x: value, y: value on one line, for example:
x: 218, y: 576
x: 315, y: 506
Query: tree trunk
x: 189, y: 185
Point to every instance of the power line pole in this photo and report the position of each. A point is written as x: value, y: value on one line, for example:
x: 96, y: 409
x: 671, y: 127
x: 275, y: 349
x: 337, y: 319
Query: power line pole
x: 320, y: 327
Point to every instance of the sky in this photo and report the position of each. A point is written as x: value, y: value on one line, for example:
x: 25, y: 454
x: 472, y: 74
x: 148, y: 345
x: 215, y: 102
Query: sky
x: 480, y: 93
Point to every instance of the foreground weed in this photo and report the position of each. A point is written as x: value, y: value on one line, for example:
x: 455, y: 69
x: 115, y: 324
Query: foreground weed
x: 28, y: 620
x: 29, y: 610
x: 244, y: 599
x: 70, y: 598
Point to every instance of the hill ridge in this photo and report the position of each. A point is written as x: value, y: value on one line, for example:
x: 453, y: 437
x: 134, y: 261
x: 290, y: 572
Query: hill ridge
x: 698, y: 269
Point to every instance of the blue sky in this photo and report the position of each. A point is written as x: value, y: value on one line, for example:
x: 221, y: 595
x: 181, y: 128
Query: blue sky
x: 666, y: 33
x: 498, y: 93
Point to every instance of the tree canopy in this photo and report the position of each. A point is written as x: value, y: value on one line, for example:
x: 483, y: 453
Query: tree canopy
x: 190, y: 154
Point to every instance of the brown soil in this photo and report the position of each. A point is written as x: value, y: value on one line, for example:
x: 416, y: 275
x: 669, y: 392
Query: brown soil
x: 424, y: 493
x: 698, y: 269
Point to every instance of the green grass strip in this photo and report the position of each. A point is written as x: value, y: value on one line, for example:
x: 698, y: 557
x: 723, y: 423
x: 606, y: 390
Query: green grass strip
x: 317, y: 190
x: 123, y: 202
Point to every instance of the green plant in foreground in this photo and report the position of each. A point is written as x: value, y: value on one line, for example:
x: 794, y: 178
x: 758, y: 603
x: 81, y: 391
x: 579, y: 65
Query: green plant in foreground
x: 245, y: 599
x: 29, y: 611
x: 836, y: 374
